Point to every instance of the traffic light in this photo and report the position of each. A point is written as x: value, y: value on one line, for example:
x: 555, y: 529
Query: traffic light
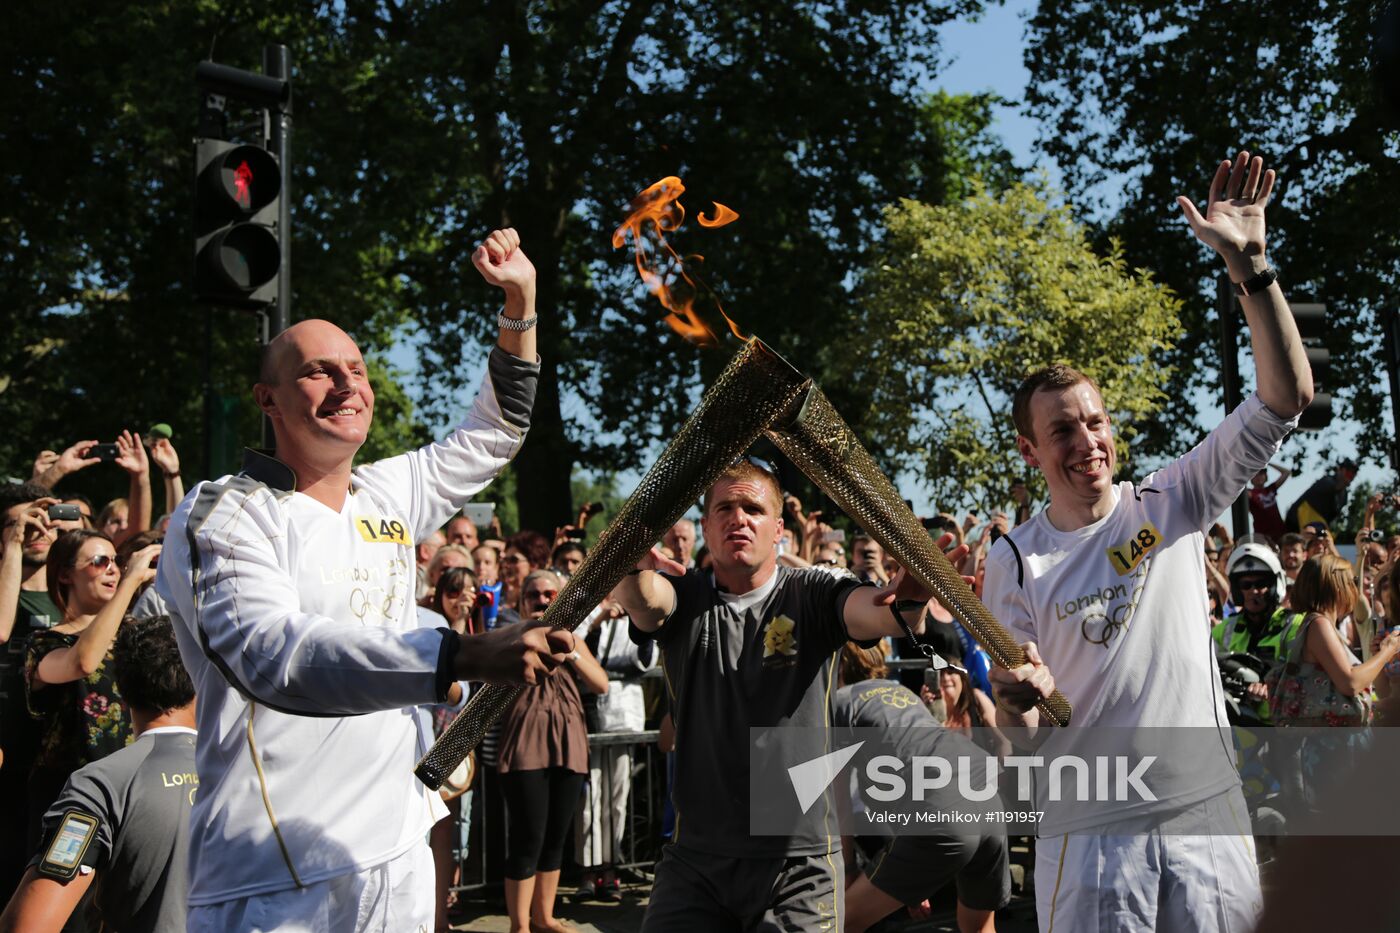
x: 237, y: 253
x: 1312, y: 326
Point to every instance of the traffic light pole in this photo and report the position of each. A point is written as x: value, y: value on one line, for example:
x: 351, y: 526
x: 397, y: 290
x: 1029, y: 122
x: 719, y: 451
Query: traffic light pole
x: 1230, y: 382
x: 1391, y: 330
x: 243, y: 225
x: 277, y: 63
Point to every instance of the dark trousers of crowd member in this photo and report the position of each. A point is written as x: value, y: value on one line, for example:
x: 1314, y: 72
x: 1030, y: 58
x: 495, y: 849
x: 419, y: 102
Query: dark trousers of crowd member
x: 705, y: 893
x: 539, y: 808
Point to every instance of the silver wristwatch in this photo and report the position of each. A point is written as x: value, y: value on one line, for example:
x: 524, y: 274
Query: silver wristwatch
x: 510, y: 323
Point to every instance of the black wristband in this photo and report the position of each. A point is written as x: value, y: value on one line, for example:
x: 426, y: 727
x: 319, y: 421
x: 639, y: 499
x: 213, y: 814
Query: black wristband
x: 446, y: 663
x: 1256, y: 283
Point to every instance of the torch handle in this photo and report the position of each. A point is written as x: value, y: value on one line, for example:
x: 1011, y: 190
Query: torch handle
x: 464, y: 733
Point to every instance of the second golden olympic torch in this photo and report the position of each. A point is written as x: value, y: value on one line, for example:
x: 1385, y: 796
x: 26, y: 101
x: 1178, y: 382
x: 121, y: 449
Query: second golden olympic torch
x: 818, y: 441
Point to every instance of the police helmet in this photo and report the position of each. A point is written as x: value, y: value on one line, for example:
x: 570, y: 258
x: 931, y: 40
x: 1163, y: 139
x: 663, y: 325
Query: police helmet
x: 1254, y: 558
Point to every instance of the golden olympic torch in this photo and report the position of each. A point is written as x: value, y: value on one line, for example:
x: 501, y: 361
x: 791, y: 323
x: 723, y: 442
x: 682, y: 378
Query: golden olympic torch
x: 819, y: 443
x: 759, y: 392
x: 753, y: 390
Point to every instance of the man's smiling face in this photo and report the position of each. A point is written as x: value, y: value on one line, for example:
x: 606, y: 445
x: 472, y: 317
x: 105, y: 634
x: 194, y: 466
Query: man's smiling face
x: 1072, y: 446
x: 317, y: 392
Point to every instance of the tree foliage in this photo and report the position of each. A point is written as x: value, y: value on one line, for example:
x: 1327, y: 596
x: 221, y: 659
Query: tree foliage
x: 1144, y: 98
x: 97, y: 113
x: 965, y: 299
x: 419, y: 125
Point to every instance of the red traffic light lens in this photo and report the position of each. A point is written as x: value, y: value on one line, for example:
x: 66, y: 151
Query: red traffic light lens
x: 248, y: 177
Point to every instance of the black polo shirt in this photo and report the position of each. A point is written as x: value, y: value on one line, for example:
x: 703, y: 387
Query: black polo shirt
x: 767, y: 658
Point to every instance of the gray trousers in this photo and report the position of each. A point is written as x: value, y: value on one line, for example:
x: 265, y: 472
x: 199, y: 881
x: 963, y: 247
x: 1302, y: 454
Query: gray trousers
x: 711, y: 893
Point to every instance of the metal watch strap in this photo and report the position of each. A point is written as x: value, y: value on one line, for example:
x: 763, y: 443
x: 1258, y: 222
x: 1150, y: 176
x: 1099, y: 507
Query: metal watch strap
x: 1256, y: 283
x: 510, y: 323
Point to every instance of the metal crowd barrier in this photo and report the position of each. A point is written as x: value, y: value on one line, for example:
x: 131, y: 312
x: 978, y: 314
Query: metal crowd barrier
x: 481, y: 866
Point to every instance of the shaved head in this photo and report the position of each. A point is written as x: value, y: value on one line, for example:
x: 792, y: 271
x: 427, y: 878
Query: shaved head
x: 275, y: 356
x: 314, y: 387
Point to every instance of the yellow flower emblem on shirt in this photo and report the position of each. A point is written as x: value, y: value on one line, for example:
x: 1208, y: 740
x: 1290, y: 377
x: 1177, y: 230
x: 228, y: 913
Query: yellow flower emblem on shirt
x: 778, y: 638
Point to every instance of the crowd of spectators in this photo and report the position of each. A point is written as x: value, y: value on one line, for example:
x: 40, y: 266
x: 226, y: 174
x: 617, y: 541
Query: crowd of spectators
x: 72, y: 579
x: 1314, y: 626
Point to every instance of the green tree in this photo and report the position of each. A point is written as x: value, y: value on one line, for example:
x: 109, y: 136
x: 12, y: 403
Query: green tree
x: 97, y: 110
x: 965, y: 299
x: 1143, y: 98
x: 802, y: 116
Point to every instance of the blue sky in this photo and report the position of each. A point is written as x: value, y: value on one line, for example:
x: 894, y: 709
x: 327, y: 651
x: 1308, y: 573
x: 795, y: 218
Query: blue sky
x: 986, y: 55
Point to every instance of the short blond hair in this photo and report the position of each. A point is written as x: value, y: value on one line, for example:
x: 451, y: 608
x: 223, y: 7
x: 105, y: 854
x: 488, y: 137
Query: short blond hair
x: 741, y: 470
x: 434, y: 568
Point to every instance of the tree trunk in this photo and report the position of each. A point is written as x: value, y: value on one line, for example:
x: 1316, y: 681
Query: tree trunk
x: 544, y: 465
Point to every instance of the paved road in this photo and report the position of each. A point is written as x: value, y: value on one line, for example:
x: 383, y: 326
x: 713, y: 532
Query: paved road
x: 1018, y: 917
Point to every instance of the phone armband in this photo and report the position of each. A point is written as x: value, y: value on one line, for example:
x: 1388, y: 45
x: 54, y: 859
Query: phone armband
x: 64, y: 855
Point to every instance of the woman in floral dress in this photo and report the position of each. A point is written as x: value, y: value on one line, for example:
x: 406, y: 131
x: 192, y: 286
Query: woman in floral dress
x: 68, y: 684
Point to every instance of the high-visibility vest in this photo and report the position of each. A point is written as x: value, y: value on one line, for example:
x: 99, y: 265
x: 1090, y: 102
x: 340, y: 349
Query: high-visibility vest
x: 1233, y: 638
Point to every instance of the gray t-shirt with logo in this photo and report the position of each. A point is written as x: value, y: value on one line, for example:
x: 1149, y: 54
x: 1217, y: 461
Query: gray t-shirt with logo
x: 141, y: 798
x: 907, y: 731
x: 885, y: 704
x: 766, y: 658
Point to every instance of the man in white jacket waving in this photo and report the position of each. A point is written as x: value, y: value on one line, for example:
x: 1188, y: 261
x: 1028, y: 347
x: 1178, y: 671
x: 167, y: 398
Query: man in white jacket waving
x: 1107, y: 588
x: 292, y: 587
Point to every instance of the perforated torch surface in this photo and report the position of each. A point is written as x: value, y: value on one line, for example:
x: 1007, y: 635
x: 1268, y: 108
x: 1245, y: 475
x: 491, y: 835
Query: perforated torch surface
x: 755, y: 388
x: 821, y: 444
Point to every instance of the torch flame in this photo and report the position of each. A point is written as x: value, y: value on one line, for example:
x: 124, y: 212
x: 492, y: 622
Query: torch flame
x: 655, y: 212
x: 723, y: 215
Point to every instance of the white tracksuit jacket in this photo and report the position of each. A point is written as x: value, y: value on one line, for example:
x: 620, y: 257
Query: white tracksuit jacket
x: 298, y: 626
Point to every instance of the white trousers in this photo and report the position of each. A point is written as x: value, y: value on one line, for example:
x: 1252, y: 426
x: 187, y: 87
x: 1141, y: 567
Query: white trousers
x: 396, y: 897
x: 1090, y: 883
x: 602, y: 813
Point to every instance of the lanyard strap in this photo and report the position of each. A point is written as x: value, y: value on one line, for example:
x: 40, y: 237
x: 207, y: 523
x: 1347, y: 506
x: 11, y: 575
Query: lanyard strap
x: 935, y: 660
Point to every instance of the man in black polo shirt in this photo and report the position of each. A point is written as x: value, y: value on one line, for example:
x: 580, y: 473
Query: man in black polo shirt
x: 748, y: 644
x: 121, y: 824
